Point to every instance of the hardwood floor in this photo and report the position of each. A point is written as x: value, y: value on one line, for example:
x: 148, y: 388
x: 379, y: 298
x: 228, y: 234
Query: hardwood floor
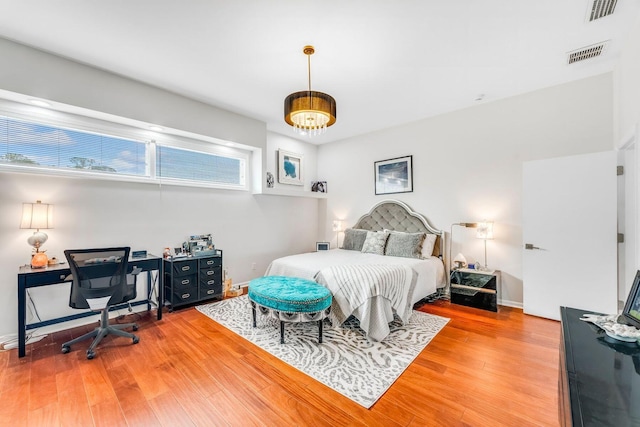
x: 482, y: 369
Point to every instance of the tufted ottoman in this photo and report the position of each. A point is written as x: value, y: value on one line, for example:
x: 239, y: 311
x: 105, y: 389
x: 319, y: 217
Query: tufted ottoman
x: 290, y: 299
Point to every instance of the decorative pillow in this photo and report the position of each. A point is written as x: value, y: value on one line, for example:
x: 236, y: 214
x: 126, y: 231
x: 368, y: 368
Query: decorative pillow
x: 375, y: 242
x: 407, y: 245
x: 354, y: 239
x: 428, y: 245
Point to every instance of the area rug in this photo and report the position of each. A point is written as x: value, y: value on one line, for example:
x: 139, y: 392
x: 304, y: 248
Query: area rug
x: 346, y: 361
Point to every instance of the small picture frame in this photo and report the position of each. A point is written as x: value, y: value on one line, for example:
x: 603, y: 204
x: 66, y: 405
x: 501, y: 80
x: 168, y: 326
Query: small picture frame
x: 394, y: 175
x: 322, y: 246
x: 319, y: 186
x: 290, y: 168
x: 631, y: 310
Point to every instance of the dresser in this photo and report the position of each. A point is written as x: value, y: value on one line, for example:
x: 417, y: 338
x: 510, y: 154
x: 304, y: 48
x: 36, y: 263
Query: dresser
x: 190, y: 280
x: 599, y: 380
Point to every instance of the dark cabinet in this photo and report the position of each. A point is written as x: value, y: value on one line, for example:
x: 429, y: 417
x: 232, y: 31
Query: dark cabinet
x: 475, y: 288
x: 599, y: 378
x: 190, y: 280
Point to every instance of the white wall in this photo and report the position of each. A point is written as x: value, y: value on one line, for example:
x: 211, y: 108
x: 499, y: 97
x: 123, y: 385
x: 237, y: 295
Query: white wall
x: 627, y: 87
x: 467, y: 165
x: 90, y: 213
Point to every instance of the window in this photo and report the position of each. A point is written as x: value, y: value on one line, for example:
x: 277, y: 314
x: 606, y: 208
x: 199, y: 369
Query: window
x: 54, y: 148
x: 38, y: 145
x: 199, y: 166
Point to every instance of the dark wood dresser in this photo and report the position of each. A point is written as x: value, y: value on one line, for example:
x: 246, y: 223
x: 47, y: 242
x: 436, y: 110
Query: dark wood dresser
x: 599, y: 383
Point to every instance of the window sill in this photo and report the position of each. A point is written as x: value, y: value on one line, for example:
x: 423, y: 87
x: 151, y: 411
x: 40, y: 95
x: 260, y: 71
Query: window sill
x: 290, y: 193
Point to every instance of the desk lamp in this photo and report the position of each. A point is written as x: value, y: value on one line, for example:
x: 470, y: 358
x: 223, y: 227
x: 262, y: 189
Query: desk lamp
x: 485, y: 232
x: 37, y: 216
x: 337, y: 227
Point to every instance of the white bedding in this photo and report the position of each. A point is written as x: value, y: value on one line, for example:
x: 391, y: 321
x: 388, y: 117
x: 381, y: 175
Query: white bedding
x: 377, y: 312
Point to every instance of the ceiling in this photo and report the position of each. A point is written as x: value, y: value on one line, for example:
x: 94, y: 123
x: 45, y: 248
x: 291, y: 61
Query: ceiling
x: 385, y: 62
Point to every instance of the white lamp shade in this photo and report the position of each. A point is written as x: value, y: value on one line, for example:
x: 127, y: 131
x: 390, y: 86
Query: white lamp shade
x: 337, y: 225
x: 37, y: 215
x: 484, y: 230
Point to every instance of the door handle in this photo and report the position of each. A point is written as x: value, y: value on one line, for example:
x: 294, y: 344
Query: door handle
x: 530, y: 246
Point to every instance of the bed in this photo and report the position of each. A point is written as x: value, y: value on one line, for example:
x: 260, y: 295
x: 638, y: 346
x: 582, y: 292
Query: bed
x: 371, y: 286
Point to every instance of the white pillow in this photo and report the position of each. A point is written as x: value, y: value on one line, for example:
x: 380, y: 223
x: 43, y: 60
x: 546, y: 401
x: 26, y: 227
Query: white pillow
x: 428, y: 245
x: 375, y: 242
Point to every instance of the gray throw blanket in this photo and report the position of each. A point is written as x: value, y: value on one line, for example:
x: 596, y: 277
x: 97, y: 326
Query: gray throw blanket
x: 357, y: 287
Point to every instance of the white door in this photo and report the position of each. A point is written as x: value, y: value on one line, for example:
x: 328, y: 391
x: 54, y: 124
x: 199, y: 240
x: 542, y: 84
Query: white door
x: 569, y: 224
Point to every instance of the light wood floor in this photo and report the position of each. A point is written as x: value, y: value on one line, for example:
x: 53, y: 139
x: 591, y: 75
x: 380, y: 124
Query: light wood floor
x: 482, y: 369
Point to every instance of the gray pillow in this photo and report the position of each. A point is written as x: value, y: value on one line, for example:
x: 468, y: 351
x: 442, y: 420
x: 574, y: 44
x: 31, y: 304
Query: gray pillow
x: 375, y: 242
x: 407, y: 245
x: 354, y: 239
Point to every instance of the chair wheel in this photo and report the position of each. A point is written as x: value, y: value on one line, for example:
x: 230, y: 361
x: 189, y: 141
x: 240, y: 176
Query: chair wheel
x: 90, y: 354
x: 135, y: 327
x: 136, y: 340
x: 66, y: 349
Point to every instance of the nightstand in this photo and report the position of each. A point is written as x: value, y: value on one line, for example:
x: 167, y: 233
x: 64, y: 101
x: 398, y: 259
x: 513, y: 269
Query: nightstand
x: 475, y: 288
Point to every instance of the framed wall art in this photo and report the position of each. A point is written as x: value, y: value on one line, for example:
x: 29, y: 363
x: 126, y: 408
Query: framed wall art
x: 394, y: 175
x: 319, y: 186
x: 289, y: 168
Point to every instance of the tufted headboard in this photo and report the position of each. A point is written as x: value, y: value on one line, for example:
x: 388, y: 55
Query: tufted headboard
x: 397, y: 216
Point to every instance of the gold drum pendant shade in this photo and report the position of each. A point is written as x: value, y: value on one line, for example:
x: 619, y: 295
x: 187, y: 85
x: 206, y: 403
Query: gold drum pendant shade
x: 308, y: 111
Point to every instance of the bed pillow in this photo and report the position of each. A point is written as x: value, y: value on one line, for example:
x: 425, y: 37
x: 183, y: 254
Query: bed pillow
x: 406, y: 245
x: 354, y: 239
x: 428, y: 245
x: 375, y: 242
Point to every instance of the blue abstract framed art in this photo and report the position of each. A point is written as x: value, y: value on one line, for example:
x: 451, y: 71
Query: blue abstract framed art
x: 289, y: 168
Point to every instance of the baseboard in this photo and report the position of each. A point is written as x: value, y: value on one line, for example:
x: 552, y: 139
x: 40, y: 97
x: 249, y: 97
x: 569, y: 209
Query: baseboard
x: 507, y: 303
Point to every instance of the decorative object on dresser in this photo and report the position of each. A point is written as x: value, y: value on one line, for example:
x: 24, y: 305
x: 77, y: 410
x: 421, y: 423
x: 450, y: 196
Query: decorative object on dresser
x: 475, y: 288
x: 192, y: 279
x: 346, y: 361
x: 394, y: 175
x: 289, y: 168
x: 37, y: 216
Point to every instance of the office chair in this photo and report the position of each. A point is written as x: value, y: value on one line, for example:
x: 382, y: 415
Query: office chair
x: 100, y: 282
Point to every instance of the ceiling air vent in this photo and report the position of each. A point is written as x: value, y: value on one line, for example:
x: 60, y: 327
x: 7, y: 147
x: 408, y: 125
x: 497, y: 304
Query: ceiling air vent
x: 587, y: 52
x: 601, y: 8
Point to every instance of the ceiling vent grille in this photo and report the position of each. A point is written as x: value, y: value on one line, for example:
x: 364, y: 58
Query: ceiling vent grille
x: 587, y: 52
x: 602, y: 8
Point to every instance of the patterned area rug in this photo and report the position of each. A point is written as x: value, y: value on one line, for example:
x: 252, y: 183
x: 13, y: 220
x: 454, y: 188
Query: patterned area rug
x: 345, y: 361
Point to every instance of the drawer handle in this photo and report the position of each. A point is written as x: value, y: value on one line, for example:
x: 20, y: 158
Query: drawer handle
x: 210, y: 291
x: 186, y: 268
x: 186, y: 281
x: 210, y: 273
x: 211, y: 282
x: 185, y: 296
x: 210, y: 262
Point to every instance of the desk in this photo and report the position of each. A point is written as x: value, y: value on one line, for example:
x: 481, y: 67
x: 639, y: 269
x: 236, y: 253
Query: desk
x: 53, y: 275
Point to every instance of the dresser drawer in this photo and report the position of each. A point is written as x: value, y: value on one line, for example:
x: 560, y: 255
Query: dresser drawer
x: 210, y: 291
x: 184, y: 295
x: 208, y: 274
x: 183, y: 268
x: 207, y: 263
x: 182, y: 281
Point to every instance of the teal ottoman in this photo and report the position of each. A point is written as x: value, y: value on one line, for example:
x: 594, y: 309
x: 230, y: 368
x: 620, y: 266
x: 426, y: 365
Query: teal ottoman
x: 290, y: 299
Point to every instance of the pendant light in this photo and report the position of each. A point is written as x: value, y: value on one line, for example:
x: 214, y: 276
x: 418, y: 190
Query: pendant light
x: 309, y: 112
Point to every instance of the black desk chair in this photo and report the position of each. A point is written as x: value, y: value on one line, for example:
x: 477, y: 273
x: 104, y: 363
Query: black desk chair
x: 99, y: 282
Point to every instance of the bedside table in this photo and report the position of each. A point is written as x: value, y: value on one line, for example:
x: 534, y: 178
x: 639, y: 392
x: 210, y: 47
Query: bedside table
x: 475, y: 288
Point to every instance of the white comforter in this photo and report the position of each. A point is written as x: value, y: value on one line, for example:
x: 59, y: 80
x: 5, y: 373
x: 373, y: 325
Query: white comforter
x: 377, y: 311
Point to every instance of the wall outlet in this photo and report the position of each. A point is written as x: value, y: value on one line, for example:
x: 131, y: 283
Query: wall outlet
x: 253, y: 265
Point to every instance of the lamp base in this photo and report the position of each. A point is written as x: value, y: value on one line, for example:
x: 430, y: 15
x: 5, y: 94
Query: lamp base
x: 39, y: 260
